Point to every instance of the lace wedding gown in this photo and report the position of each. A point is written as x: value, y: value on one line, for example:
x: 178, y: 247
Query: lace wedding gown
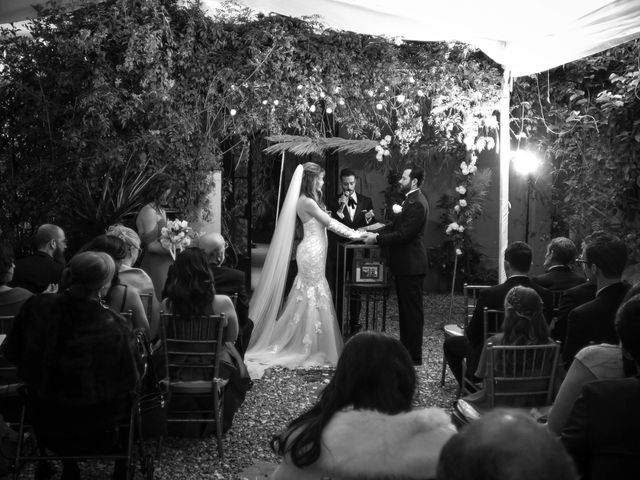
x: 306, y: 333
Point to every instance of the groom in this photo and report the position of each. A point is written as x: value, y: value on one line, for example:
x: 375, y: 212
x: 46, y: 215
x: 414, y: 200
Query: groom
x: 408, y: 258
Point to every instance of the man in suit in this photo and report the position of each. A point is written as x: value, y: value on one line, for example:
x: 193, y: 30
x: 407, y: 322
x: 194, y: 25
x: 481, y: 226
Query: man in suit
x: 228, y: 281
x: 603, y: 259
x: 602, y: 430
x: 355, y: 211
x: 571, y: 298
x: 43, y: 269
x: 561, y: 253
x: 517, y: 262
x: 407, y: 258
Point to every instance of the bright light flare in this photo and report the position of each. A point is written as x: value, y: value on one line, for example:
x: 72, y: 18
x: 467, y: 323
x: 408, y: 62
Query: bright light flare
x: 525, y: 163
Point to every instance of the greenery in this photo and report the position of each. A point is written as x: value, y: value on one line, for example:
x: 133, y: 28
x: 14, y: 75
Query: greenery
x: 585, y: 117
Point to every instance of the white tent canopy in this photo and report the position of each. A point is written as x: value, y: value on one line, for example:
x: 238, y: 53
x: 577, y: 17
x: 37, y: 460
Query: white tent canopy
x: 524, y: 37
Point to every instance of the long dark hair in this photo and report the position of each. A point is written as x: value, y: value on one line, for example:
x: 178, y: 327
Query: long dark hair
x: 374, y: 372
x: 311, y: 173
x: 192, y: 290
x: 524, y: 322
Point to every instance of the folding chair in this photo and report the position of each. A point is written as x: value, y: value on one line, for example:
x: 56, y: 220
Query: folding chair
x: 491, y: 324
x: 471, y: 293
x: 557, y: 294
x: 192, y: 349
x: 147, y: 302
x: 518, y: 376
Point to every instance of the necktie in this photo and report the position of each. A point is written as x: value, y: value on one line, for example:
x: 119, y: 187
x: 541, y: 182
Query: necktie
x: 351, y: 203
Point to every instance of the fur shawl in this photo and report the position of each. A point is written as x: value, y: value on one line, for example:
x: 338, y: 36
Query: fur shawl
x: 366, y: 444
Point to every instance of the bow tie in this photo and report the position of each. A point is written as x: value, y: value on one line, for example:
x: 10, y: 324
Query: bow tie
x: 351, y: 203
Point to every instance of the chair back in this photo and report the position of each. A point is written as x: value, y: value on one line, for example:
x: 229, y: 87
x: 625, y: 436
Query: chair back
x: 147, y: 303
x: 192, y: 346
x: 234, y: 299
x: 471, y: 293
x: 9, y: 381
x: 492, y: 321
x: 556, y: 294
x: 521, y: 375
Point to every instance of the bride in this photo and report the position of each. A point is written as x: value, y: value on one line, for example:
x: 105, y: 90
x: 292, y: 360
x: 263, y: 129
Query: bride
x: 305, y: 333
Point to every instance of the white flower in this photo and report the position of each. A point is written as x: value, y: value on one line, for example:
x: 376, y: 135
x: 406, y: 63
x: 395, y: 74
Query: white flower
x: 396, y: 208
x: 386, y: 89
x: 449, y: 230
x: 341, y: 101
x: 370, y: 93
x: 473, y: 169
x: 164, y: 231
x: 460, y: 228
x: 420, y: 93
x: 461, y: 190
x: 456, y: 208
x: 184, y: 224
x: 458, y: 251
x: 387, y: 138
x: 329, y: 110
x: 379, y: 106
x: 453, y: 226
x: 379, y: 148
x: 264, y: 102
x: 386, y: 152
x: 465, y: 171
x: 463, y: 165
x: 299, y: 87
x: 400, y: 98
x: 412, y: 80
x: 312, y: 108
x: 321, y: 94
x: 463, y: 202
x: 383, y: 142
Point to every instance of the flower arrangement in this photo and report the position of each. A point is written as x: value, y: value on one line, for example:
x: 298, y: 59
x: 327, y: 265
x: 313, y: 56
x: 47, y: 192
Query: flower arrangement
x: 176, y: 236
x: 382, y: 150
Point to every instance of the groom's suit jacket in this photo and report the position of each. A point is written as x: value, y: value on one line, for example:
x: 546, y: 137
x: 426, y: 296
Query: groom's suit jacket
x: 364, y: 205
x: 407, y: 254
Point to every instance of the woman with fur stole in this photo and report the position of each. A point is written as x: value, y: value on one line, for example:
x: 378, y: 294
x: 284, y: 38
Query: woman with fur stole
x: 362, y: 425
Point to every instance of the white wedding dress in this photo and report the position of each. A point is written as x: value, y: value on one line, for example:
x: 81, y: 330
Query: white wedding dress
x: 306, y: 333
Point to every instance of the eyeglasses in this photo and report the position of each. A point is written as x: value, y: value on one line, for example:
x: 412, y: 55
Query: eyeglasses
x: 581, y: 260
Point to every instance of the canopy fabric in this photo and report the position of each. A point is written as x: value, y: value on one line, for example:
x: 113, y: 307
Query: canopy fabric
x: 524, y: 37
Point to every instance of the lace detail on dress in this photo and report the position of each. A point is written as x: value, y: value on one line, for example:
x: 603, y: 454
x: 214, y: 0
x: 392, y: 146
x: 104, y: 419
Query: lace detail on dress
x: 306, y: 333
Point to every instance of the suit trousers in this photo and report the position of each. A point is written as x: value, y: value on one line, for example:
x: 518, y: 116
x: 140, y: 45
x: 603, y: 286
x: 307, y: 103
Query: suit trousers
x: 411, y: 313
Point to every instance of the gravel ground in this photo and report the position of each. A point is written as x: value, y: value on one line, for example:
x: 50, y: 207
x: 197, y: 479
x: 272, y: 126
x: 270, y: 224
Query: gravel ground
x: 279, y: 397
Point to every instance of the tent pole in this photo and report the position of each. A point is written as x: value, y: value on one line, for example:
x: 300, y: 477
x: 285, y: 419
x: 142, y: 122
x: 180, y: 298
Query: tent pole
x: 280, y: 187
x: 505, y: 149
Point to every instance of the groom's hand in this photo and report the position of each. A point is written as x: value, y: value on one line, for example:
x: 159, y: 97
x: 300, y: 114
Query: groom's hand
x: 371, y: 238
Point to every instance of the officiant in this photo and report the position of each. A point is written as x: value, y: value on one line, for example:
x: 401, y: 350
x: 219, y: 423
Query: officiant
x: 355, y: 211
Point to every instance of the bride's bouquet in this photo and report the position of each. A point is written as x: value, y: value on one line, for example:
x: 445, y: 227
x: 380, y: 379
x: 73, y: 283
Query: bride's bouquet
x: 175, y: 237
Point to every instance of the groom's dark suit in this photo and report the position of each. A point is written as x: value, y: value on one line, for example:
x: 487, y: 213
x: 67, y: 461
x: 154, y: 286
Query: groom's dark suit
x: 407, y: 259
x: 363, y: 205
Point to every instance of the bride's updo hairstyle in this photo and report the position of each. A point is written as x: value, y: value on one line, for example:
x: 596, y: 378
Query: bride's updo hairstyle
x: 87, y: 273
x: 309, y: 181
x: 374, y: 372
x: 524, y: 322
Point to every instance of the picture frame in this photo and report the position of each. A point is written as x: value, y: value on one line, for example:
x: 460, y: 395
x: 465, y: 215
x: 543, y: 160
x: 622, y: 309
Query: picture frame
x: 367, y: 271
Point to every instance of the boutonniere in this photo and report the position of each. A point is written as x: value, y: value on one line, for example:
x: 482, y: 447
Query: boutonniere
x: 396, y: 208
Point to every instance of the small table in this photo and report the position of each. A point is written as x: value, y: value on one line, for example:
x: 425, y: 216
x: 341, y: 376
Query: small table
x: 362, y: 270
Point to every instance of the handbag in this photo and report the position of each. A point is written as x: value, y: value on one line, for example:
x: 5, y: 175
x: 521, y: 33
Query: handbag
x: 153, y: 398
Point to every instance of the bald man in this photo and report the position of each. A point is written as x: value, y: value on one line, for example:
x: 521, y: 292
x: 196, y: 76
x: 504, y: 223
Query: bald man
x: 228, y: 281
x: 43, y: 269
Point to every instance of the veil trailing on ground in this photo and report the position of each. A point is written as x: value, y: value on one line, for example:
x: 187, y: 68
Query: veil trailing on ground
x: 268, y: 296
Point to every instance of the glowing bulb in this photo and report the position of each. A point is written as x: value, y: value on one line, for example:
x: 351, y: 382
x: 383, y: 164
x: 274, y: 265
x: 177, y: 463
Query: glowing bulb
x: 233, y: 112
x: 525, y: 162
x: 341, y: 101
x: 312, y: 108
x: 400, y: 98
x: 321, y: 94
x: 329, y: 110
x: 379, y: 106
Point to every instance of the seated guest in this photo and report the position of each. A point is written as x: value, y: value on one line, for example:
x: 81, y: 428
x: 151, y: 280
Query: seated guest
x: 603, y: 259
x: 362, y: 425
x: 524, y: 324
x: 517, y: 262
x: 136, y: 277
x: 43, y: 269
x: 11, y: 299
x: 192, y: 292
x: 561, y: 253
x: 77, y: 360
x: 571, y: 298
x: 504, y: 445
x: 120, y: 297
x: 602, y: 430
x: 228, y: 281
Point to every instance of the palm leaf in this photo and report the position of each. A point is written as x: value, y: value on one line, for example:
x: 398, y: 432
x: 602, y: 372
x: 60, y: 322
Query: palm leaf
x: 303, y: 146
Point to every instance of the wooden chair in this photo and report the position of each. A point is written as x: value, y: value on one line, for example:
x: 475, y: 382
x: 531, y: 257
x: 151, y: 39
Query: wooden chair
x: 147, y: 302
x: 192, y: 348
x: 491, y: 324
x: 471, y: 293
x: 557, y: 294
x: 518, y: 376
